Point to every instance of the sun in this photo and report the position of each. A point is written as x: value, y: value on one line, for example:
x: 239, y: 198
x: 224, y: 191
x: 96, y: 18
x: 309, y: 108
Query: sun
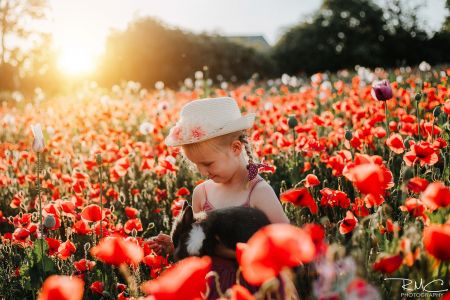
x: 75, y: 60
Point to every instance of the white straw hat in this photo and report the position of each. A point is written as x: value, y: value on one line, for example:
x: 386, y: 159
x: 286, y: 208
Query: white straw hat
x: 204, y: 119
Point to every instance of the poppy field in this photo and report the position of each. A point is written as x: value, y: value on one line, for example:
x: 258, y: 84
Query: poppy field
x: 360, y: 161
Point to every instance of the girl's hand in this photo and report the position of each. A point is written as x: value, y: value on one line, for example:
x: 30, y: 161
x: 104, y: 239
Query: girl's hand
x: 161, y: 244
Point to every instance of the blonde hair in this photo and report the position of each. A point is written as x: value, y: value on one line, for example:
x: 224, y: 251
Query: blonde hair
x: 221, y: 142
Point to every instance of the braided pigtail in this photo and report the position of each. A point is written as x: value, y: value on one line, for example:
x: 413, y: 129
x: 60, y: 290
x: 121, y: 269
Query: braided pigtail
x: 243, y: 138
x: 252, y: 167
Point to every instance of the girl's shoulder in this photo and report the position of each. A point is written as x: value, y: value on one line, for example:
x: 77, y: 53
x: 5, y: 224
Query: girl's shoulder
x: 261, y: 189
x: 199, y: 195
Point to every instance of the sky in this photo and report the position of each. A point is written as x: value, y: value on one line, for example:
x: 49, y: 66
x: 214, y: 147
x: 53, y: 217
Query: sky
x: 80, y: 27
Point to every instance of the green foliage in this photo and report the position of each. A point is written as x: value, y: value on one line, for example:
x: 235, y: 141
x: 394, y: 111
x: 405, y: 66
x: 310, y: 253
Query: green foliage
x: 37, y: 268
x: 343, y: 34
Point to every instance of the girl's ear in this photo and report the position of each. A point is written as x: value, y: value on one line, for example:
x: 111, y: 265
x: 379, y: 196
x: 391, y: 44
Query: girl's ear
x: 188, y: 216
x: 236, y: 147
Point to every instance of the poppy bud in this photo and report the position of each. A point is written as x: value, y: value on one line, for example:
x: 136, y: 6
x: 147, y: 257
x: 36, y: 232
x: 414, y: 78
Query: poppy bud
x: 348, y: 135
x: 49, y: 221
x: 38, y: 142
x: 437, y: 111
x: 292, y: 122
x: 418, y: 96
x: 99, y: 159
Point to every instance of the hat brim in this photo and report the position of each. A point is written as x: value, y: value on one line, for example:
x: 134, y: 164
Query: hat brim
x: 243, y: 123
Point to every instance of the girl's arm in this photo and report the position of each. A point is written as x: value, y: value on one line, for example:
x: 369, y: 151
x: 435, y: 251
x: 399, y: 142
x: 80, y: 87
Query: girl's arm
x: 264, y: 198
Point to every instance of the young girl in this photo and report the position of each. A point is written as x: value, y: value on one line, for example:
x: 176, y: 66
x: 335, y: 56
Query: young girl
x: 212, y: 135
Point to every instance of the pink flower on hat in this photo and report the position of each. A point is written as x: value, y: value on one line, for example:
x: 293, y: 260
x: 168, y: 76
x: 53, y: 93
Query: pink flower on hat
x: 197, y: 132
x: 177, y: 133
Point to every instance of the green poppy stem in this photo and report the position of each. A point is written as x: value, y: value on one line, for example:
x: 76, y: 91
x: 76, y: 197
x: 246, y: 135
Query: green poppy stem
x: 41, y: 226
x: 387, y: 119
x: 418, y: 119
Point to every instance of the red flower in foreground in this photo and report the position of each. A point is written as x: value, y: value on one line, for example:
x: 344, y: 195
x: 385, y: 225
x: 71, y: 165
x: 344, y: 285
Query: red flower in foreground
x: 58, y: 287
x: 271, y: 249
x: 92, y: 213
x: 116, y: 250
x: 423, y: 153
x: 388, y: 264
x: 348, y: 224
x: 436, y: 239
x: 186, y: 278
x: 300, y: 197
x: 369, y: 179
x: 436, y: 195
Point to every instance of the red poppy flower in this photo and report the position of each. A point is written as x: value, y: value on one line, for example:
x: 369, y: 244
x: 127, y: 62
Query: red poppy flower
x: 82, y: 227
x: 311, y: 180
x: 131, y: 212
x: 21, y: 233
x: 369, y: 179
x: 300, y: 197
x: 182, y: 192
x: 348, y: 223
x: 436, y: 239
x: 66, y: 249
x: 97, y: 287
x: 334, y: 198
x: 116, y: 250
x: 272, y: 248
x: 446, y: 107
x: 133, y: 224
x: 415, y: 207
x: 423, y: 153
x: 388, y: 264
x: 317, y: 233
x: 84, y: 265
x: 186, y: 278
x: 417, y: 184
x: 92, y: 213
x: 395, y: 143
x: 359, y: 209
x: 58, y: 287
x: 177, y: 206
x: 436, y: 195
x: 53, y: 245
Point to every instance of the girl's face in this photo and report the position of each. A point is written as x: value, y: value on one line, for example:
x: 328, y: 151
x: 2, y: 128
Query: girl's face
x: 216, y: 164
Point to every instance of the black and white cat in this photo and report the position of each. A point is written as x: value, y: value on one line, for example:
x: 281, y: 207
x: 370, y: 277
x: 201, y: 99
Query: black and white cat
x: 199, y: 234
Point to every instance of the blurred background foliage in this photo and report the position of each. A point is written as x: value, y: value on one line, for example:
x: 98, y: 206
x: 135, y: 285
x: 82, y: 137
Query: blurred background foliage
x: 340, y: 34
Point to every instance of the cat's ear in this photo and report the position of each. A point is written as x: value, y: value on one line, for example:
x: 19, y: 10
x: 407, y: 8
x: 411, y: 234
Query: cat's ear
x: 188, y: 216
x: 185, y: 205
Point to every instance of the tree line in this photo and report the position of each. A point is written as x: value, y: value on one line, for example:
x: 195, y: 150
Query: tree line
x: 340, y: 34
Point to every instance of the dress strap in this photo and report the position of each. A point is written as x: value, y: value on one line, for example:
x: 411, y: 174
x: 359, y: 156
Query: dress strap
x: 247, y: 203
x: 207, y: 205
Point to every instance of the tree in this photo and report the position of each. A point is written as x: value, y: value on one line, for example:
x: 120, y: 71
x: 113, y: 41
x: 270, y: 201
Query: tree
x: 148, y: 51
x: 342, y: 33
x: 18, y: 34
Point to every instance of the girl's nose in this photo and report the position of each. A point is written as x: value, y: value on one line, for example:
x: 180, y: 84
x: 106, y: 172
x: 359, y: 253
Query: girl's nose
x: 203, y: 171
